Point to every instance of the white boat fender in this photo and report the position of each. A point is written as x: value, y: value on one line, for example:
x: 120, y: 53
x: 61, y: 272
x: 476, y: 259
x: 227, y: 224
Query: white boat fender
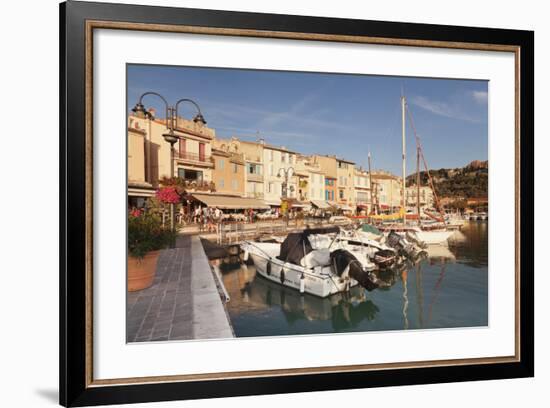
x: 282, y: 275
x: 302, y: 283
x: 245, y: 255
x: 268, y: 268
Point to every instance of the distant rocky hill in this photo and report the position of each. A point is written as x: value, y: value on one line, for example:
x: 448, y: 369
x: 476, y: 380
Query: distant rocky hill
x: 469, y: 181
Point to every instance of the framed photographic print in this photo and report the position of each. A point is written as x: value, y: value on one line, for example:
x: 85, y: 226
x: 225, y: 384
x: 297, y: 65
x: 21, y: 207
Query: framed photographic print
x: 255, y: 203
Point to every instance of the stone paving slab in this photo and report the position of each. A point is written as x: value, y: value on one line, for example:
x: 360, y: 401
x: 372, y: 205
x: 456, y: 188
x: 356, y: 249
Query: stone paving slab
x: 183, y: 303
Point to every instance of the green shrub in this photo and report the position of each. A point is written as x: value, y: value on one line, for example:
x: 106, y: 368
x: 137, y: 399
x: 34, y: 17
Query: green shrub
x: 146, y: 234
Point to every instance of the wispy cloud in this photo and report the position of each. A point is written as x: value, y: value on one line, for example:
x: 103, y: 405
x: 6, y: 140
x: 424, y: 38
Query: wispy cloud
x: 445, y: 109
x: 480, y: 96
x: 302, y: 120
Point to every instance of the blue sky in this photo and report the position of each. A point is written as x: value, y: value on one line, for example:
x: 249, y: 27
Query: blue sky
x: 337, y: 114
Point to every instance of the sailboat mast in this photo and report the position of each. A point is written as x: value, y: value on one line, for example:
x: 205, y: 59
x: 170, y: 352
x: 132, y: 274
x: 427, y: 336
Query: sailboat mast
x: 418, y: 182
x: 371, y: 187
x: 403, y: 155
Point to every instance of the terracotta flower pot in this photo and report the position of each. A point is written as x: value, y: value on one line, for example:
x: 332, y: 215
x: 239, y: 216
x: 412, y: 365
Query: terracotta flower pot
x: 141, y: 271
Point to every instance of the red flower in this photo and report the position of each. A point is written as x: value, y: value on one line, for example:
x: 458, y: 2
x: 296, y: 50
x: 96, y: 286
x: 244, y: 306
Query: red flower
x: 135, y: 212
x: 168, y: 195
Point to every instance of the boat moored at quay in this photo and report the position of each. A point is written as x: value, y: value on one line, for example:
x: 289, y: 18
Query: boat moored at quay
x: 326, y: 261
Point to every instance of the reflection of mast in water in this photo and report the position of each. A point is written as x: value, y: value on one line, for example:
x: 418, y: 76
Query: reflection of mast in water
x: 420, y: 295
x: 405, y: 297
x: 436, y: 289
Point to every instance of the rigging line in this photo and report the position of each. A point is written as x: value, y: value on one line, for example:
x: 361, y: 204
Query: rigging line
x: 389, y: 130
x: 419, y: 146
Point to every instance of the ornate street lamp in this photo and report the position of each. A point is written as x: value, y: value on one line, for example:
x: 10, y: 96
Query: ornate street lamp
x: 171, y: 125
x: 285, y: 173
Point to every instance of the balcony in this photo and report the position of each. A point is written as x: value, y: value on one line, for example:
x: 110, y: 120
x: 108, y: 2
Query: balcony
x: 194, y: 159
x: 252, y: 194
x: 254, y: 177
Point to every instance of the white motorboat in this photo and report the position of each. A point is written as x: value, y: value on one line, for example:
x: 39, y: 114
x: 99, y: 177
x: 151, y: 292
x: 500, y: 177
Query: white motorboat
x: 307, y: 261
x: 376, y: 250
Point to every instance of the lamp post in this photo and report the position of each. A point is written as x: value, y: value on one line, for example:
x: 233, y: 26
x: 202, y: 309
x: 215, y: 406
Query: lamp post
x: 285, y: 173
x: 171, y: 125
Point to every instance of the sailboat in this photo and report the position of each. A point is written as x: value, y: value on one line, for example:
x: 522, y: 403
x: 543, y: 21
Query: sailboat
x: 434, y: 234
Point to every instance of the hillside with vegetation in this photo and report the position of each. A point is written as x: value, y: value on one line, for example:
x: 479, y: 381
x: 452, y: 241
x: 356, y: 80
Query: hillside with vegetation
x: 471, y: 181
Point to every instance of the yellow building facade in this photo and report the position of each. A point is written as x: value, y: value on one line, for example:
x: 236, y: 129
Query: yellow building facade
x: 387, y: 190
x: 345, y: 184
x: 311, y: 179
x: 149, y: 154
x: 228, y: 173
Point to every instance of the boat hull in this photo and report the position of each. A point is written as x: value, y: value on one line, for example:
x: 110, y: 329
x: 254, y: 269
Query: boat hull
x: 434, y: 237
x: 318, y: 281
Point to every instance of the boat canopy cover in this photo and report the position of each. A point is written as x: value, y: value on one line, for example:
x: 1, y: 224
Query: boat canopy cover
x: 370, y: 228
x: 296, y: 245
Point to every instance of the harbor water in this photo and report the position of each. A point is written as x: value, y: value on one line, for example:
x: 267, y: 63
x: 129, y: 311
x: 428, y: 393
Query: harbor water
x: 447, y: 289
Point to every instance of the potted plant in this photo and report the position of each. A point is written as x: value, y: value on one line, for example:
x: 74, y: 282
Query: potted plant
x: 146, y: 238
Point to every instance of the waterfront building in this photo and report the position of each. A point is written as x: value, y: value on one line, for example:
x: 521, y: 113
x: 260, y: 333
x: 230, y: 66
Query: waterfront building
x: 311, y: 180
x: 276, y: 161
x: 426, y: 197
x: 328, y: 167
x: 228, y: 173
x: 149, y: 154
x: 387, y: 191
x: 362, y: 190
x: 345, y: 184
x: 252, y: 154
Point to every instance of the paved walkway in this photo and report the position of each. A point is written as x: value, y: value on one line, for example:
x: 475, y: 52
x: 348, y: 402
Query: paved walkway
x: 183, y: 303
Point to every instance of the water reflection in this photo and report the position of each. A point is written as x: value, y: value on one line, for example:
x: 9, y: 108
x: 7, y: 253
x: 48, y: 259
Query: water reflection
x: 448, y: 288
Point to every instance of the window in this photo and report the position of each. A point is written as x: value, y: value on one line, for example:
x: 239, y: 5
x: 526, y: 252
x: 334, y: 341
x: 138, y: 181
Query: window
x: 221, y: 183
x: 270, y: 188
x: 252, y: 168
x: 182, y: 147
x: 283, y: 156
x: 341, y: 194
x: 202, y: 152
x: 271, y: 169
x: 271, y: 155
x: 190, y: 175
x: 235, y: 168
x: 221, y: 164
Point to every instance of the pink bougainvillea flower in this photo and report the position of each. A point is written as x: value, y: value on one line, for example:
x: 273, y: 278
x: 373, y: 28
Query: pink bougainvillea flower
x: 135, y: 212
x: 168, y: 195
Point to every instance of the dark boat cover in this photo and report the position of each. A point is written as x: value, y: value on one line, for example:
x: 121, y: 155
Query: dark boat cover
x: 297, y: 245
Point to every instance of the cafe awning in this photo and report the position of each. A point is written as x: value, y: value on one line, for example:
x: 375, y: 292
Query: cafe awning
x: 301, y: 205
x: 273, y: 203
x: 140, y: 190
x: 226, y: 202
x: 344, y: 207
x: 320, y: 204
